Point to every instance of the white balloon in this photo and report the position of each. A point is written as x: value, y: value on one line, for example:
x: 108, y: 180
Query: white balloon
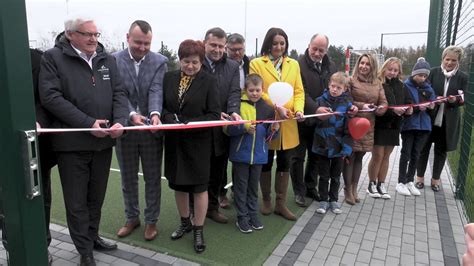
x: 280, y: 92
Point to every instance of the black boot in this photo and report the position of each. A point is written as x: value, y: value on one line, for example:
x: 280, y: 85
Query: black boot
x: 199, y: 245
x: 184, y: 227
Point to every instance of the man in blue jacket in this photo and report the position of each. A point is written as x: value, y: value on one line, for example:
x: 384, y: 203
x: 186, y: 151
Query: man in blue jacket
x: 79, y: 85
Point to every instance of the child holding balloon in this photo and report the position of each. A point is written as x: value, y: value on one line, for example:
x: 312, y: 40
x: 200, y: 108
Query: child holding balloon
x: 332, y: 141
x: 249, y: 151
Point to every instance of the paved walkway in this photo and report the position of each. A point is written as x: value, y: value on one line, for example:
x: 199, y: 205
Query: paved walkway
x: 424, y: 230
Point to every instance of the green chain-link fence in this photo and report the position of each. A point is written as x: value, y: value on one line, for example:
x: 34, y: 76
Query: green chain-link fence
x: 452, y: 23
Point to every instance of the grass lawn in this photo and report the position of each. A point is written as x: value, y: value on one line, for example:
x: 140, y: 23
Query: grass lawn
x: 225, y: 244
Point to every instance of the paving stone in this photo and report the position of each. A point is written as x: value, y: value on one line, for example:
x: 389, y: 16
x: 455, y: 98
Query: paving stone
x: 379, y: 253
x: 408, y: 249
x: 356, y: 238
x: 306, y: 256
x: 348, y: 259
x: 121, y: 262
x: 297, y: 247
x: 436, y: 254
x: 313, y: 244
x: 337, y: 250
x: 66, y: 246
x: 322, y: 253
x: 376, y: 262
x: 342, y: 240
x: 62, y: 262
x: 66, y: 255
x: 144, y: 252
x: 352, y: 248
x: 164, y: 258
x: 333, y: 261
x: 392, y: 260
x: 406, y: 259
x: 364, y: 256
x: 367, y: 245
x: 272, y: 260
x: 422, y: 257
x: 327, y: 242
x: 281, y: 250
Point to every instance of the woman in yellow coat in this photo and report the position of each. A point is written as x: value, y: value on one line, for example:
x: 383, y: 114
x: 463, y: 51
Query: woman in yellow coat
x: 275, y: 66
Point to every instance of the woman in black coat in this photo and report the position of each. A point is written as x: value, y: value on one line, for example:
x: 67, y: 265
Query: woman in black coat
x: 387, y: 127
x: 446, y: 80
x: 189, y: 95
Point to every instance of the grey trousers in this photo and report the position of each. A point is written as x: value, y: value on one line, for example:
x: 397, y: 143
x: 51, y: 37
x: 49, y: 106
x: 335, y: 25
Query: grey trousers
x: 130, y: 149
x: 246, y: 178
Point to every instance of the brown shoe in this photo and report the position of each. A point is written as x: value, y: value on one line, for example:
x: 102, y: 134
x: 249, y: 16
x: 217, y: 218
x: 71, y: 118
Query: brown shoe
x: 150, y: 232
x: 128, y: 228
x: 217, y: 217
x: 224, y: 202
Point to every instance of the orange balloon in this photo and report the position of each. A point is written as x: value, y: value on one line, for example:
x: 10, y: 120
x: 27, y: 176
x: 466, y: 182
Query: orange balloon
x: 358, y: 127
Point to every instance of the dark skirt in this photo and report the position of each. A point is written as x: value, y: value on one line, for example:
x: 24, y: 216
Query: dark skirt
x: 189, y: 188
x: 386, y: 137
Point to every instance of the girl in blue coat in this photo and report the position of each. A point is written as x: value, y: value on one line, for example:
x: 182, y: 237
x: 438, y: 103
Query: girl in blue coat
x: 249, y: 151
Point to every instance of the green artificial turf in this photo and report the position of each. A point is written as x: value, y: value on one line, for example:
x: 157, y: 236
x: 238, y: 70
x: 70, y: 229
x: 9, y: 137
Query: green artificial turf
x: 225, y: 244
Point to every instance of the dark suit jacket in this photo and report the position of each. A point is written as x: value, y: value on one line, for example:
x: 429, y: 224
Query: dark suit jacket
x: 188, y: 152
x: 145, y: 90
x: 452, y: 115
x: 228, y: 85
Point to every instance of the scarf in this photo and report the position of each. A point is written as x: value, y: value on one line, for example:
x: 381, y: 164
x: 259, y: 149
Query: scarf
x: 277, y: 63
x: 184, y: 84
x: 447, y: 77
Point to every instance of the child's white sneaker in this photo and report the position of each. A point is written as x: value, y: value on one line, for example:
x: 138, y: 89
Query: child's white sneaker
x: 402, y: 189
x: 413, y: 190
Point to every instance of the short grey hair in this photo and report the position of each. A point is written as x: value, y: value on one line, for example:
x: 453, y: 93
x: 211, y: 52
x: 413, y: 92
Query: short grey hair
x: 319, y: 34
x: 72, y: 24
x: 235, y: 38
x: 453, y: 49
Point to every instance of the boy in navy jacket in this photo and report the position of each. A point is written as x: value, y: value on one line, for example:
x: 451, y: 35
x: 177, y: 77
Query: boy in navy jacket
x: 332, y: 142
x: 249, y: 151
x: 416, y: 128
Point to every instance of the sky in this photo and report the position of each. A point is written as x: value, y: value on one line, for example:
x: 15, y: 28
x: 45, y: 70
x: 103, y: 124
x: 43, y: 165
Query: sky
x: 346, y: 22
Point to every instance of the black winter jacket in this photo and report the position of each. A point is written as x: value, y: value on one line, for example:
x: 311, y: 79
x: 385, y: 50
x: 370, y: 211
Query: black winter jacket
x: 396, y: 94
x: 77, y: 95
x: 314, y: 82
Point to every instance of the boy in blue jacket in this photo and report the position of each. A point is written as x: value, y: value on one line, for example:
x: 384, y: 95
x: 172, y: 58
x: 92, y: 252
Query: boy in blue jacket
x: 416, y: 128
x: 332, y: 142
x: 249, y: 151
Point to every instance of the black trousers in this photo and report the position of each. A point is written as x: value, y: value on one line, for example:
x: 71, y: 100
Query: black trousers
x: 47, y: 161
x: 84, y: 177
x: 329, y: 170
x: 438, y: 137
x: 217, y: 180
x: 412, y: 143
x: 304, y: 178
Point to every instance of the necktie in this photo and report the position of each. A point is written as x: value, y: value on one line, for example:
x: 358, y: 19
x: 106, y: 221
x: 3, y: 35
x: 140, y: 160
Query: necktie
x: 318, y: 66
x: 213, y: 67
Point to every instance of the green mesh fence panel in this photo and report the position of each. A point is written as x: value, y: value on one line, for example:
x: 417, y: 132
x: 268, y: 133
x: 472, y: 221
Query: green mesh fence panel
x: 452, y: 22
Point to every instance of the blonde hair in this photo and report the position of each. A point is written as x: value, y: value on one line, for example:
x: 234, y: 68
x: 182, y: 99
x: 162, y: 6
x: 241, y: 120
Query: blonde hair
x: 341, y: 78
x: 372, y: 77
x: 453, y: 49
x: 386, y: 64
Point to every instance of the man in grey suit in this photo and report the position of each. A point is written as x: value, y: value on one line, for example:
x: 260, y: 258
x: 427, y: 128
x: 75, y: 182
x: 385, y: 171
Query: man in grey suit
x: 142, y: 72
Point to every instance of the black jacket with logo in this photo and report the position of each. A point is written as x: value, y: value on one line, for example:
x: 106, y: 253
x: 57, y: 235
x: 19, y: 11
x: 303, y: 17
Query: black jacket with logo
x: 77, y: 95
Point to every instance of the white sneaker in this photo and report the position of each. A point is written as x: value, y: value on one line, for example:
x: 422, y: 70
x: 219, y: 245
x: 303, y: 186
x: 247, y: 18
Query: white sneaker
x: 413, y: 190
x: 402, y: 189
x: 383, y: 191
x: 372, y: 190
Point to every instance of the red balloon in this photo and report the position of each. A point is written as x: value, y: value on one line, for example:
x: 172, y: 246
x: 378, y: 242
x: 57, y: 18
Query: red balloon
x: 358, y: 127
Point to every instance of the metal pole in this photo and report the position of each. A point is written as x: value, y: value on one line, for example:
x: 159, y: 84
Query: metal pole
x: 381, y: 43
x: 256, y: 47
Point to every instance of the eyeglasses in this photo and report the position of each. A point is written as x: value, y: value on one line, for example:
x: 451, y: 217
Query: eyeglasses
x: 235, y: 50
x: 88, y: 34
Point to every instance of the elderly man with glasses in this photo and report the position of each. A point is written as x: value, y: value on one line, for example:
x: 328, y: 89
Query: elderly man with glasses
x: 79, y: 85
